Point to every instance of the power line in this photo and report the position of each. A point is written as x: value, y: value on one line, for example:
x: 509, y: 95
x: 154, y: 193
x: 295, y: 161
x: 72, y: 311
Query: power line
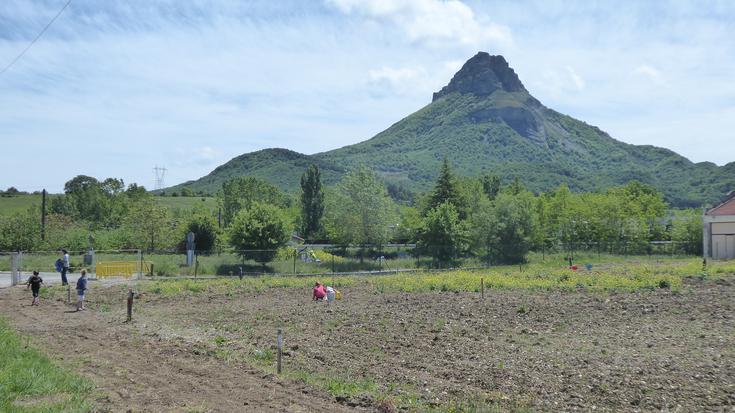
x: 160, y: 174
x: 36, y: 38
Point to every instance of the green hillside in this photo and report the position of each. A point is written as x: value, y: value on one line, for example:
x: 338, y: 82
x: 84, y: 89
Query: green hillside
x: 21, y: 203
x: 485, y: 121
x: 281, y: 167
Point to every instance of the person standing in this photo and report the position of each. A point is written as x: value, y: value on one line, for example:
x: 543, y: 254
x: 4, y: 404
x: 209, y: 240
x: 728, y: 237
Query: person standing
x: 34, y: 283
x: 64, y: 267
x: 81, y: 289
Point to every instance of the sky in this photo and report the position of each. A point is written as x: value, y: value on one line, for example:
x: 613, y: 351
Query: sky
x: 114, y: 89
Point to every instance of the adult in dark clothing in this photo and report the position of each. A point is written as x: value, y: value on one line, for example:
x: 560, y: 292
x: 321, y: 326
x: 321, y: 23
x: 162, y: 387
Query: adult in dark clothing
x: 34, y: 283
x: 64, y: 267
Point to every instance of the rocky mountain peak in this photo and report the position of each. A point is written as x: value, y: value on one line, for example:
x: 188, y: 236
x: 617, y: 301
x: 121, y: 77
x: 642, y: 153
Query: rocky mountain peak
x: 482, y: 75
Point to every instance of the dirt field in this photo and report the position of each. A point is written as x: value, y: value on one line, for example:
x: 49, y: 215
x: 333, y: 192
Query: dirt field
x: 515, y: 350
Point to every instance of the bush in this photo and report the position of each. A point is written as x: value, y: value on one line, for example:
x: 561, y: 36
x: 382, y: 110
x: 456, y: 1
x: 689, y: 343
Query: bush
x: 259, y: 231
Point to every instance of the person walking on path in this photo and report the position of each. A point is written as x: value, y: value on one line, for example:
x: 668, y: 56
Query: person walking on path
x: 81, y: 289
x: 64, y: 267
x: 34, y: 283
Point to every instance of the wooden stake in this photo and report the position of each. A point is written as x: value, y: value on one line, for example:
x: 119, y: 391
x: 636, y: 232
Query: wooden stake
x: 68, y: 293
x: 280, y: 350
x: 482, y: 287
x: 130, y: 305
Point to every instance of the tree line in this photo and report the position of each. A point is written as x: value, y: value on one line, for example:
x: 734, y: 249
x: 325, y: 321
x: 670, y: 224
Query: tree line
x: 458, y: 217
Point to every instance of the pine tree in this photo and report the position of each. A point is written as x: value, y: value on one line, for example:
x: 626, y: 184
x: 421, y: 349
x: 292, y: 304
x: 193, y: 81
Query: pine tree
x: 447, y: 190
x: 312, y: 202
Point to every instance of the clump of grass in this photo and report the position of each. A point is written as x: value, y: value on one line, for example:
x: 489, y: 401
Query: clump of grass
x: 220, y: 341
x: 341, y: 387
x: 263, y: 356
x: 29, y: 382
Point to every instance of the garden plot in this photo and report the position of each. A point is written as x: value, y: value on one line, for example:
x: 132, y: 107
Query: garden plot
x: 210, y: 345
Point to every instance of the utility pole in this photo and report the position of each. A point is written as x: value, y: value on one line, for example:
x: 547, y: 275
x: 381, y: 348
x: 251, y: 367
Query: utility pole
x: 43, y: 214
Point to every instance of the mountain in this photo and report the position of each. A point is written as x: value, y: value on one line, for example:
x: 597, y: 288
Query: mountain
x: 485, y: 121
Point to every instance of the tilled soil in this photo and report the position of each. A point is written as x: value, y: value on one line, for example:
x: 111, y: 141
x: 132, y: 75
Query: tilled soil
x: 516, y: 350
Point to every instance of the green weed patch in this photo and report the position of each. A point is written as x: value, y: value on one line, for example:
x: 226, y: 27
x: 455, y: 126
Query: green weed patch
x: 30, y: 383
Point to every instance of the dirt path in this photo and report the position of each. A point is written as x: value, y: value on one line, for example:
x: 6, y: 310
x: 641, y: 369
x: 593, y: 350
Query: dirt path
x: 143, y: 373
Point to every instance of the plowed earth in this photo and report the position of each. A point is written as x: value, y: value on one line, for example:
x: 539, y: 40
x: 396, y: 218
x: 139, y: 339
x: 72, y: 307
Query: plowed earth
x: 513, y: 350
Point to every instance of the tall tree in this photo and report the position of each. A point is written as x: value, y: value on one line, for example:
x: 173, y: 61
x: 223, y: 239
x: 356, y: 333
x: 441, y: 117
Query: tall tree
x: 149, y: 225
x: 88, y: 199
x: 447, y: 189
x: 507, y: 228
x: 312, y: 203
x: 258, y: 231
x: 490, y: 185
x: 241, y: 192
x: 360, y: 210
x: 442, y: 234
x: 516, y: 187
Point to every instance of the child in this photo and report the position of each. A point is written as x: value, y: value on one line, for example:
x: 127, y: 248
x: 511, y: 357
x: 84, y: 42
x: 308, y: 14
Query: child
x: 81, y: 289
x: 318, y: 292
x: 34, y: 283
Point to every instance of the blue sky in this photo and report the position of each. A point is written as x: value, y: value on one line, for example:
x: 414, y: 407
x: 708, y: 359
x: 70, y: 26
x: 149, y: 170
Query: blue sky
x: 116, y: 88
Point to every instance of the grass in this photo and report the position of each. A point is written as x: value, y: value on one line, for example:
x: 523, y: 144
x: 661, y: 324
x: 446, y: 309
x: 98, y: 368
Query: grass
x: 186, y: 202
x: 30, y: 382
x: 21, y: 203
x: 613, y: 276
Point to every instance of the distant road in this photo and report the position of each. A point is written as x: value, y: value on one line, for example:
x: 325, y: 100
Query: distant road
x: 48, y: 278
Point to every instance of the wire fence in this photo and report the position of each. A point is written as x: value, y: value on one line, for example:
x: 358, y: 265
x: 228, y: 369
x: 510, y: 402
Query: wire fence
x: 319, y: 259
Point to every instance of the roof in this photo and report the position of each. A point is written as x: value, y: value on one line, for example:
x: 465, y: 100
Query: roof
x: 726, y: 207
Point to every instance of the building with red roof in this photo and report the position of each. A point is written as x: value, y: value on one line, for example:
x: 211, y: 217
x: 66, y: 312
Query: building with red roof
x: 719, y: 229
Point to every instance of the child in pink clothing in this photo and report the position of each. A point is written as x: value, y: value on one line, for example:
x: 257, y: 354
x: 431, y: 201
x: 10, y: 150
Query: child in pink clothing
x: 319, y: 292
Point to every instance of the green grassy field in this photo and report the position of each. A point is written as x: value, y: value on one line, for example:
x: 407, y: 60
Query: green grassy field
x: 21, y: 203
x: 190, y: 202
x: 30, y: 382
x: 613, y: 274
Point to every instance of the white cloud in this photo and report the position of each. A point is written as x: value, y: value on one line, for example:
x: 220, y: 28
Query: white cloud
x: 576, y: 78
x: 394, y: 76
x: 389, y: 81
x: 202, y: 156
x: 650, y: 73
x: 453, y: 65
x: 431, y: 21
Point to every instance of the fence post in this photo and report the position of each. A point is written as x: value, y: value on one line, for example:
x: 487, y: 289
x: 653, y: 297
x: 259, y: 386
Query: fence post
x: 543, y: 251
x: 140, y: 264
x: 130, y: 304
x: 279, y: 342
x: 14, y: 268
